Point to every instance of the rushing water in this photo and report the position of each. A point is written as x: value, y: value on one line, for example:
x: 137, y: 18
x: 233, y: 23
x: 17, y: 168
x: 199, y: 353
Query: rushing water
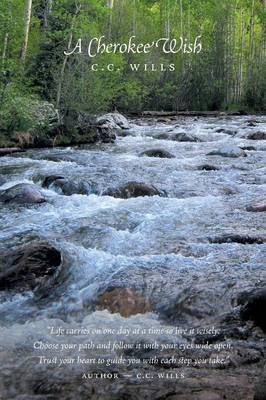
x: 161, y: 246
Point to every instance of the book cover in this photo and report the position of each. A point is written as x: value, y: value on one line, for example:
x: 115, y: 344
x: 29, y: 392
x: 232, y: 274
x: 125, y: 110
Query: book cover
x: 132, y: 199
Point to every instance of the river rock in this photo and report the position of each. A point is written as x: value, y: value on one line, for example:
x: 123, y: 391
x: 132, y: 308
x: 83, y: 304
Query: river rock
x: 257, y: 207
x: 163, y: 136
x: 10, y: 150
x: 254, y: 307
x: 248, y: 148
x: 68, y: 187
x: 228, y: 151
x: 134, y: 189
x: 226, y: 131
x: 237, y: 238
x: 113, y: 121
x: 252, y: 122
x: 160, y: 153
x: 124, y: 301
x: 49, y: 180
x: 208, y: 167
x: 106, y: 133
x: 23, y: 193
x: 185, y: 137
x: 256, y: 135
x: 28, y: 266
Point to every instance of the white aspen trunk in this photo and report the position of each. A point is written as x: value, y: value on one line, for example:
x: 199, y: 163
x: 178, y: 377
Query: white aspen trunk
x: 251, y: 40
x: 181, y: 18
x: 62, y: 73
x: 189, y: 31
x: 134, y: 17
x: 181, y: 32
x: 5, y: 47
x: 168, y: 19
x: 110, y: 4
x: 26, y: 30
x: 240, y: 84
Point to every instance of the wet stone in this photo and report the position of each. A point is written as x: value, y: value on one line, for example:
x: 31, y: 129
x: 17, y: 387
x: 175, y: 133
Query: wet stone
x: 228, y: 151
x: 257, y: 136
x: 134, y: 189
x: 241, y: 239
x: 257, y: 207
x: 208, y: 167
x: 248, y: 148
x: 68, y: 187
x: 124, y: 301
x: 28, y: 266
x: 226, y: 131
x: 23, y: 193
x: 160, y: 153
x: 254, y: 307
x: 185, y: 137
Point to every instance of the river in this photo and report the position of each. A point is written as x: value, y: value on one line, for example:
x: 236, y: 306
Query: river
x: 184, y: 251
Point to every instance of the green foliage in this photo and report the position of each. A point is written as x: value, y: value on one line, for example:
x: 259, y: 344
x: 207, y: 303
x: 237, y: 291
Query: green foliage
x: 230, y: 70
x: 15, y: 113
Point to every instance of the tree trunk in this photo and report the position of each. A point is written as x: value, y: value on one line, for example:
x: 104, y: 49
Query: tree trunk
x: 61, y: 79
x: 110, y: 4
x: 181, y: 18
x: 134, y: 17
x: 251, y: 40
x: 47, y: 12
x: 26, y: 30
x: 242, y: 33
x: 5, y: 48
x: 62, y: 73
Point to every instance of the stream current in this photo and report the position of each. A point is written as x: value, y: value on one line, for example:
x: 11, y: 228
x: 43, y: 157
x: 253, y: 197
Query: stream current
x: 163, y: 247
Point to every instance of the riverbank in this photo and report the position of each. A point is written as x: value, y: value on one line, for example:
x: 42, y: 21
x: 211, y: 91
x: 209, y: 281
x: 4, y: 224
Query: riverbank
x: 80, y: 129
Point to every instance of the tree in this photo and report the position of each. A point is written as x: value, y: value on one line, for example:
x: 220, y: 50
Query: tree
x: 26, y: 30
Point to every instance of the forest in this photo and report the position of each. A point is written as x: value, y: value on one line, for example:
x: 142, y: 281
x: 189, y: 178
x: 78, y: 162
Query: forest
x: 37, y: 37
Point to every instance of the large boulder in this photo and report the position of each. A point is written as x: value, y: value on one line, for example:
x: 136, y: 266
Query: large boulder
x: 22, y: 193
x: 68, y: 187
x: 228, y: 151
x: 160, y: 153
x: 134, y: 189
x: 253, y: 309
x: 113, y: 121
x: 106, y: 134
x: 124, y: 301
x: 28, y: 266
